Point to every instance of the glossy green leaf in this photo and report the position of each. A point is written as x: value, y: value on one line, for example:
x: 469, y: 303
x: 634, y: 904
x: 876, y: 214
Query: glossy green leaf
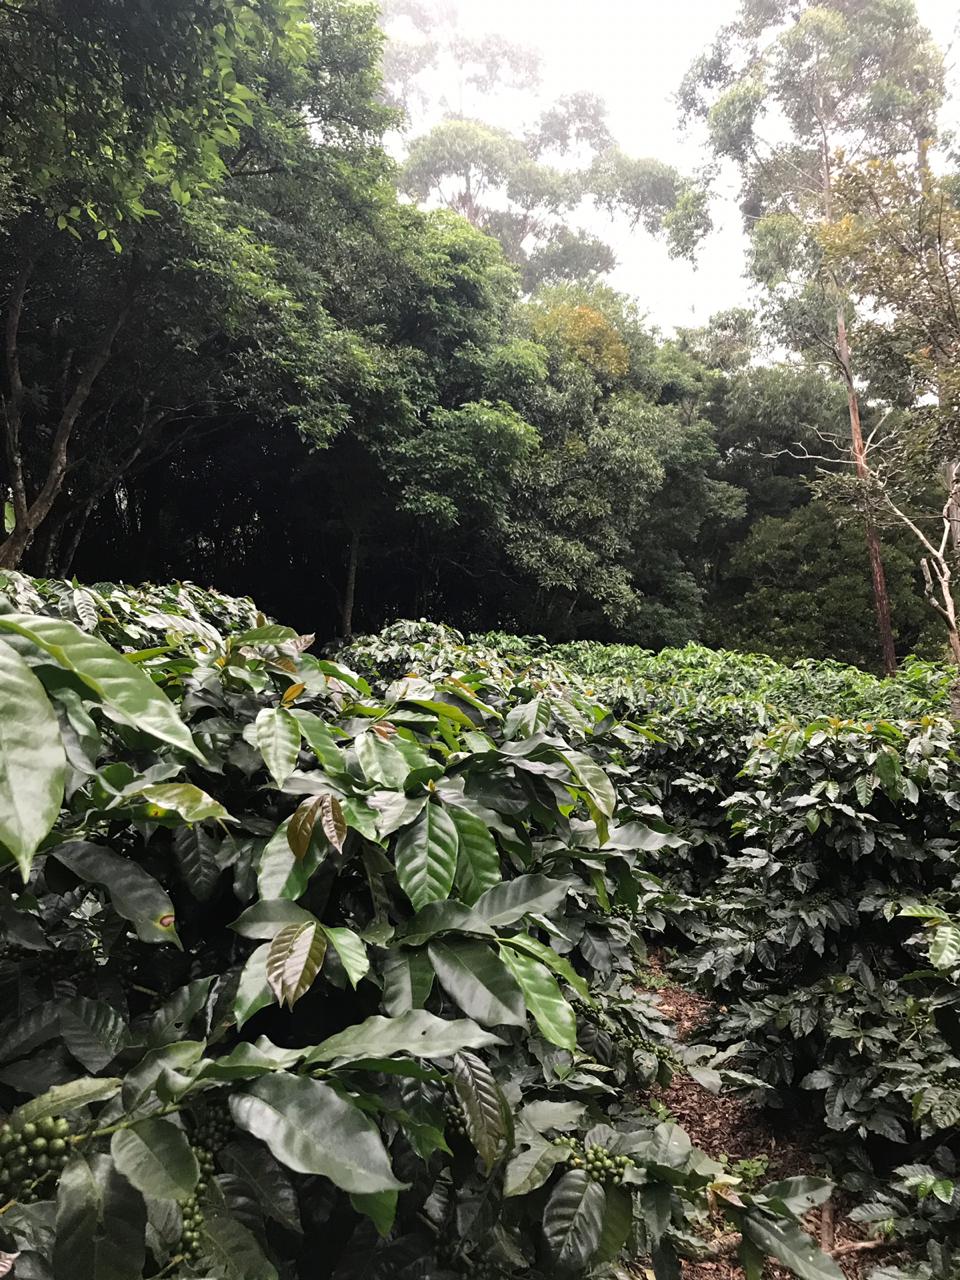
x: 133, y: 894
x: 532, y: 1166
x: 156, y: 1156
x: 573, y: 1221
x: 617, y: 1223
x: 100, y: 1223
x: 253, y: 991
x: 670, y: 1146
x: 234, y: 1250
x: 311, y: 1129
x: 320, y: 740
x: 278, y: 741
x: 294, y: 959
x: 380, y: 760
x: 478, y: 862
x: 92, y: 1030
x: 945, y: 946
x: 351, y: 950
x: 511, y: 901
x: 267, y: 917
x: 426, y: 856
x: 122, y: 685
x: 63, y: 1099
x: 546, y: 955
x: 445, y: 710
x: 407, y: 981
x: 789, y: 1244
x: 380, y: 1207
x: 447, y: 916
x: 554, y: 1016
x: 593, y: 780
x: 528, y: 718
x: 476, y: 979
x: 192, y: 804
x: 281, y: 873
x: 270, y: 633
x: 197, y: 850
x: 798, y: 1195
x: 32, y: 760
x: 417, y: 1033
x: 270, y: 1184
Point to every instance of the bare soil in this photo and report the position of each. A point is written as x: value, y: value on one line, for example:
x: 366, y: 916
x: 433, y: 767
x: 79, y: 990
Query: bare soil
x: 729, y: 1125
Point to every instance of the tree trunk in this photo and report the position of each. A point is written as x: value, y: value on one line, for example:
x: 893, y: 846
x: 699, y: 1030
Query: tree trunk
x: 881, y: 600
x: 50, y: 555
x: 953, y: 506
x: 350, y: 586
x: 14, y: 548
x: 31, y: 515
x: 69, y: 552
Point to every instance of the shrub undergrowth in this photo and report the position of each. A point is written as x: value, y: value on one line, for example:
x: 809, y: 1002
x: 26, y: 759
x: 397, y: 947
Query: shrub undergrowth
x: 328, y: 966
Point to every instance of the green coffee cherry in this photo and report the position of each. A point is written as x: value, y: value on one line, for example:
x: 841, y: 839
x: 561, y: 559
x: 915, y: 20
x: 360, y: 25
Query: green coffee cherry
x: 192, y: 1215
x: 454, y: 1118
x: 212, y: 1126
x: 30, y: 1152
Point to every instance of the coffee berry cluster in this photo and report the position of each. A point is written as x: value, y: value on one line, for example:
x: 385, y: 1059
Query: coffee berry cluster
x: 627, y: 913
x: 659, y: 1050
x: 454, y: 1119
x: 212, y: 1128
x: 602, y: 1165
x: 190, y: 1238
x: 30, y: 1152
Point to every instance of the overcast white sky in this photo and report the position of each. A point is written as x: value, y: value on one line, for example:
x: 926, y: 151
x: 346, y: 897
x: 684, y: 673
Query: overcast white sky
x: 633, y: 53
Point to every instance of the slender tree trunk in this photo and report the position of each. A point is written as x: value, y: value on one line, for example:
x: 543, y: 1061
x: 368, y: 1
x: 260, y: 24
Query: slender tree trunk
x: 350, y: 586
x: 29, y: 516
x: 881, y: 600
x: 49, y: 559
x: 953, y: 509
x: 69, y: 552
x: 946, y: 605
x: 950, y: 468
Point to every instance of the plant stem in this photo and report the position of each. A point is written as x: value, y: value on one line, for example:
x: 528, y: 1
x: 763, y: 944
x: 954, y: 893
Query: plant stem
x: 121, y: 1124
x: 174, y: 1262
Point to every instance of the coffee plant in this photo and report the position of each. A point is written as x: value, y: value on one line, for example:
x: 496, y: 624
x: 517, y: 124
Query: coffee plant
x: 325, y: 966
x: 805, y: 877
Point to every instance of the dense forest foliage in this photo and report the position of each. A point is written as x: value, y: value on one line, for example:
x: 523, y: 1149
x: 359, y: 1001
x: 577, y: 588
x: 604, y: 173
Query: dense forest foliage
x: 282, y: 319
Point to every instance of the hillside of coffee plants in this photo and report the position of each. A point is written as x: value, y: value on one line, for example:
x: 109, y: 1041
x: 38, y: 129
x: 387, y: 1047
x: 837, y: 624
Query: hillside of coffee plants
x: 340, y: 965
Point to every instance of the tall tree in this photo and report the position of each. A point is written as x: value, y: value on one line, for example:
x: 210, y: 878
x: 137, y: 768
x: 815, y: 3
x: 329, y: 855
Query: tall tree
x: 604, y: 533
x: 139, y: 300
x: 898, y: 243
x: 857, y: 76
x: 795, y: 588
x: 102, y: 104
x: 523, y: 185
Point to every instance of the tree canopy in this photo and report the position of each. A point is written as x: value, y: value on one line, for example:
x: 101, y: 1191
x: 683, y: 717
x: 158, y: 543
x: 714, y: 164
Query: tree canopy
x: 237, y: 350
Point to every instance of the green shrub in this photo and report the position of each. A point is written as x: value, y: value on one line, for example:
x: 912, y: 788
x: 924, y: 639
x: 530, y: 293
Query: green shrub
x: 312, y: 980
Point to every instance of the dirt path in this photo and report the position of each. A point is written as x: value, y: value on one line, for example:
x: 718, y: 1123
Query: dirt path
x: 728, y: 1125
